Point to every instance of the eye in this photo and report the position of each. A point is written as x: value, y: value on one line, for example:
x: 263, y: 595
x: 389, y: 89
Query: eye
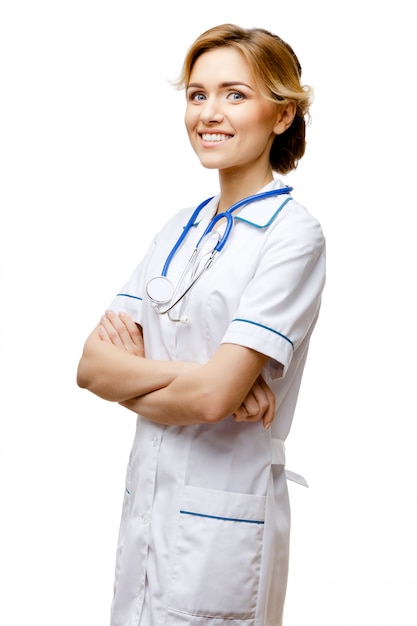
x: 196, y: 96
x: 236, y: 96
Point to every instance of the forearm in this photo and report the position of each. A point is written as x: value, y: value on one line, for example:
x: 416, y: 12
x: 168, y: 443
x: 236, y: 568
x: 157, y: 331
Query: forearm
x: 117, y: 375
x: 177, y: 404
x: 206, y: 394
x: 157, y: 407
x: 169, y: 392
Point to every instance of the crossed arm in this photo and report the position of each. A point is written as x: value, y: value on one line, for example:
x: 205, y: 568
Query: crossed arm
x: 113, y: 367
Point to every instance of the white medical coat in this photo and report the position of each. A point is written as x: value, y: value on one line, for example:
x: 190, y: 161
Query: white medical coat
x: 204, y: 533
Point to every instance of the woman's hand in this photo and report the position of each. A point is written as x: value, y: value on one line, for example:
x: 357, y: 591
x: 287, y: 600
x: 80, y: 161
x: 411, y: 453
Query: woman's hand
x: 120, y: 330
x: 259, y: 404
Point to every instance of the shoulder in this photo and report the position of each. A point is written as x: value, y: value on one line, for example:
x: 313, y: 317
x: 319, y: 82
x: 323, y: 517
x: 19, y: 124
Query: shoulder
x: 297, y: 226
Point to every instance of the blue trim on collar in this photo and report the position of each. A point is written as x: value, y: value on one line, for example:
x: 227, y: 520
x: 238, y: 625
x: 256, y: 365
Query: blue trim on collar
x: 269, y: 222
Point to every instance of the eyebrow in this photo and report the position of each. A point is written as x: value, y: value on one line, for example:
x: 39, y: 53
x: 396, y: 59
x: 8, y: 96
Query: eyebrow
x: 232, y: 83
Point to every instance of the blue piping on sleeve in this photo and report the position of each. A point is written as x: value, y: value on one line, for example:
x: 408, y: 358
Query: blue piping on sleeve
x: 238, y: 319
x: 127, y: 295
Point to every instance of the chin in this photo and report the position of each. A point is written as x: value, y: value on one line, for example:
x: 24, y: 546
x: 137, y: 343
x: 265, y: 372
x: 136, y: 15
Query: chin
x: 211, y: 162
x: 209, y: 166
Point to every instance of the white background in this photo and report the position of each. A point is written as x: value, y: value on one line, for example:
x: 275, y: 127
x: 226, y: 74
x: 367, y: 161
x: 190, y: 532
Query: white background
x: 94, y: 158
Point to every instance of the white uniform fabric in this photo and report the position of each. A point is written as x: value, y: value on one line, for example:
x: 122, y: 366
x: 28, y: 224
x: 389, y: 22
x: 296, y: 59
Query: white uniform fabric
x: 204, y: 534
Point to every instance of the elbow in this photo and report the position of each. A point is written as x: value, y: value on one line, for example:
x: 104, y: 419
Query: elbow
x: 83, y: 378
x: 211, y: 408
x: 211, y: 417
x: 89, y: 378
x: 93, y: 372
x: 86, y: 377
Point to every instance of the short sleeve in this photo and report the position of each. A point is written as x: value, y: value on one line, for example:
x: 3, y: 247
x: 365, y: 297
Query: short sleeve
x: 130, y: 296
x: 282, y: 300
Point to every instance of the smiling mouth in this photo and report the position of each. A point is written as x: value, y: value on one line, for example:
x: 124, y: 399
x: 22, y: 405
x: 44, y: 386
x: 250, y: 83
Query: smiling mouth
x: 215, y: 137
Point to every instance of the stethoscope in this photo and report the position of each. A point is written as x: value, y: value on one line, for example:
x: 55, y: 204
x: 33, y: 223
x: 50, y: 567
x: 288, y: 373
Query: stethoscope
x: 160, y: 289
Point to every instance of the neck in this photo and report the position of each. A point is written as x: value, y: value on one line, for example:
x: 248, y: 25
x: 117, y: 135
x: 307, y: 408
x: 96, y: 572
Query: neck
x: 239, y: 185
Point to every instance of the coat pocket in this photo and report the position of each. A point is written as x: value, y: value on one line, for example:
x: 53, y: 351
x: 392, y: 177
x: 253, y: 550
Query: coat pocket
x: 217, y: 557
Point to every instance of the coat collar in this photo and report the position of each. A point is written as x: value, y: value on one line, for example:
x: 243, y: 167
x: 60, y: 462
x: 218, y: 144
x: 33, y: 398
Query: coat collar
x: 261, y: 213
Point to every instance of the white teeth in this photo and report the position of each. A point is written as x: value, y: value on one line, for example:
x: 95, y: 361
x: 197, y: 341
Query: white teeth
x: 214, y: 137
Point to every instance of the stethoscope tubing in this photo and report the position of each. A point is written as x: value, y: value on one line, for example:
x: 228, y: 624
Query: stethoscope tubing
x: 183, y: 235
x: 228, y: 215
x: 175, y: 298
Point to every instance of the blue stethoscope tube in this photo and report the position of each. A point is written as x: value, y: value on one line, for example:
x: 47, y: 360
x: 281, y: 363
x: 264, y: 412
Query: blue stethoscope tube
x: 160, y: 289
x: 226, y: 214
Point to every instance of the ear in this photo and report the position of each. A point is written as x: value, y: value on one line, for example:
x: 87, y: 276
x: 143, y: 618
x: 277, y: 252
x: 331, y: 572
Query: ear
x: 285, y: 117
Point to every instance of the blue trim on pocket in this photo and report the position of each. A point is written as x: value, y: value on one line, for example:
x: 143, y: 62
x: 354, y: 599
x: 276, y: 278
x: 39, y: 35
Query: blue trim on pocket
x: 226, y: 519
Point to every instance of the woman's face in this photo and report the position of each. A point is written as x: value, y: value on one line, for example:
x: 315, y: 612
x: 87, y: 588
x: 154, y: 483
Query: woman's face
x: 230, y: 124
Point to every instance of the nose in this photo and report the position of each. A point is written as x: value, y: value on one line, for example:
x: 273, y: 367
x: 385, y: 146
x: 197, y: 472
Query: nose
x: 211, y: 111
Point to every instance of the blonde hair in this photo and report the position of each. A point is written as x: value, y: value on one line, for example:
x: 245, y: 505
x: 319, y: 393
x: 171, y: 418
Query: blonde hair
x: 277, y: 73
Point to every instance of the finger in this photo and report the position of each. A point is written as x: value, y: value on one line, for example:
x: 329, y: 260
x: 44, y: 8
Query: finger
x: 269, y: 414
x: 119, y: 332
x: 241, y: 414
x: 112, y: 333
x: 253, y: 407
x: 129, y: 323
x: 260, y: 403
x: 268, y: 417
x: 131, y: 335
x: 252, y: 403
x: 258, y: 399
x: 135, y: 333
x: 102, y: 333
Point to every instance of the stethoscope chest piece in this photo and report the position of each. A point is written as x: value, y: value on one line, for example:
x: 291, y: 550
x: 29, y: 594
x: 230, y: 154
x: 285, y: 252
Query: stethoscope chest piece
x: 160, y: 290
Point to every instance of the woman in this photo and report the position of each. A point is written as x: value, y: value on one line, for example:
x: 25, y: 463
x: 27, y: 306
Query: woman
x: 209, y: 351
